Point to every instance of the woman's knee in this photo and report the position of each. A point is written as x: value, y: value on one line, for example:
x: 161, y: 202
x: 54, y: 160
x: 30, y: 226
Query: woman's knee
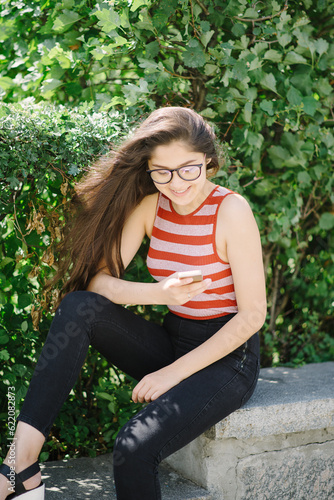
x: 82, y: 305
x: 70, y: 330
x: 73, y: 320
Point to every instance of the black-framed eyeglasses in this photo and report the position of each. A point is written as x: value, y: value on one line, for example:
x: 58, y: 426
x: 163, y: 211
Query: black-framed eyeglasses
x: 186, y: 173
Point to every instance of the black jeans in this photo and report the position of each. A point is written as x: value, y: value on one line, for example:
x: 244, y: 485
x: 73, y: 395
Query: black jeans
x: 139, y: 347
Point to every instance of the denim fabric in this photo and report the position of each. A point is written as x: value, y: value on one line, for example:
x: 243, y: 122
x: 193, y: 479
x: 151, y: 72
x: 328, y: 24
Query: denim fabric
x: 138, y: 347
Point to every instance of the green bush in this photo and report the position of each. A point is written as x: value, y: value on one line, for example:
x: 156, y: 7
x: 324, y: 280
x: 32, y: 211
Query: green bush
x: 42, y: 150
x: 261, y: 73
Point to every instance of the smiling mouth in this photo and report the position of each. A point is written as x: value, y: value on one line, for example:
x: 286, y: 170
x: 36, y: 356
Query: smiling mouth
x: 180, y: 192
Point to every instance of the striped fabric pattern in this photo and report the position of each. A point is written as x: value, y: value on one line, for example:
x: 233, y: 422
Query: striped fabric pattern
x: 187, y: 242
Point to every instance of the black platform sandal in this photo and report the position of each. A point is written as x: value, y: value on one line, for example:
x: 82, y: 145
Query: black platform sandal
x: 19, y: 478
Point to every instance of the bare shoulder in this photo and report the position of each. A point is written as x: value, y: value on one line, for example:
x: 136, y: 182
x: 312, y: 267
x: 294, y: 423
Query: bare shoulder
x: 235, y: 209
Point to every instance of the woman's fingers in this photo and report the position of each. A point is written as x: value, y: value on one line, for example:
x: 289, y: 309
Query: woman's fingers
x: 178, y: 291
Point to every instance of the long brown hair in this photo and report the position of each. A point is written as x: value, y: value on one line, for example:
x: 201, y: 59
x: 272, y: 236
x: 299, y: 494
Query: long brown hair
x: 115, y: 185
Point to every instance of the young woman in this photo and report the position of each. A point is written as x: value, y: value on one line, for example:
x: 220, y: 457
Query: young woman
x: 203, y: 362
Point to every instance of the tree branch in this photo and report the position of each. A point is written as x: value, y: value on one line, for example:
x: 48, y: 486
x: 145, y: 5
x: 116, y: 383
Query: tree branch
x: 227, y: 131
x: 263, y: 18
x: 204, y: 9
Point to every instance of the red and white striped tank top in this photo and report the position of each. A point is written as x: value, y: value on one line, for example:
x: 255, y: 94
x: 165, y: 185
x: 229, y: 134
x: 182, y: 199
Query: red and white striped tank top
x: 186, y: 242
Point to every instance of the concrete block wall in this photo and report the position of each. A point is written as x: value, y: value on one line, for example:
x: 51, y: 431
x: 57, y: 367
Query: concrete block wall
x: 279, y: 446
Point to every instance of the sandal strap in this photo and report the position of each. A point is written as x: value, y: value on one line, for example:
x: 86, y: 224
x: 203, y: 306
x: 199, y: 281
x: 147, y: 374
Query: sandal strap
x: 5, y: 470
x: 20, y: 477
x: 28, y: 472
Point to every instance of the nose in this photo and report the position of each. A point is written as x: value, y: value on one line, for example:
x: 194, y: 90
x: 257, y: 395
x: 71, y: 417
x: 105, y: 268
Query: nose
x: 176, y: 181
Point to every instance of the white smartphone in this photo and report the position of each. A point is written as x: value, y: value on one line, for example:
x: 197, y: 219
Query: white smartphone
x: 196, y: 274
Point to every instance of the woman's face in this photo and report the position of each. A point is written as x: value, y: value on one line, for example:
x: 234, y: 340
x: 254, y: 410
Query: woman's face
x: 185, y: 195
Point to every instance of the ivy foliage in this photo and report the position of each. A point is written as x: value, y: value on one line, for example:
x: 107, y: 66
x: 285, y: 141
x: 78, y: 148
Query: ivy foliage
x: 261, y: 73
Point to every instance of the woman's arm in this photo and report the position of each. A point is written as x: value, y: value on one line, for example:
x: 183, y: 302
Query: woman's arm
x: 244, y: 253
x: 169, y: 291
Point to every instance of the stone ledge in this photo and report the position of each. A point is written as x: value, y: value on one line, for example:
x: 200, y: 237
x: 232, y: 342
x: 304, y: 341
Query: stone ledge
x: 246, y: 456
x: 300, y: 399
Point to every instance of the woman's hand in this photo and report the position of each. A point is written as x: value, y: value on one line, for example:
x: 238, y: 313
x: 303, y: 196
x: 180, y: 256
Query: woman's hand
x: 178, y: 291
x: 155, y: 384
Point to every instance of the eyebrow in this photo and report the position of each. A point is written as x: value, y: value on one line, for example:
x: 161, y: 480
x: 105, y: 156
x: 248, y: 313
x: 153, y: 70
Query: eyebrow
x: 189, y: 162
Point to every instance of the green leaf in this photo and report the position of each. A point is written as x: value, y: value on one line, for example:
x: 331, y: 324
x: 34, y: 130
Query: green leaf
x: 4, y: 354
x: 44, y: 456
x: 250, y: 13
x: 323, y: 87
x: 50, y: 85
x: 19, y: 369
x: 248, y: 112
x: 294, y: 96
x: 264, y: 187
x: 267, y: 106
x: 233, y: 182
x: 284, y: 39
x: 273, y: 55
x: 304, y: 178
x: 105, y: 395
x: 209, y: 113
x: 24, y: 326
x: 255, y: 64
x: 24, y: 300
x: 238, y: 30
x: 211, y: 69
x: 6, y: 83
x: 240, y: 70
x: 255, y: 139
x: 327, y: 138
x: 294, y: 58
x: 274, y: 235
x: 138, y: 3
x: 302, y: 79
x: 321, y: 46
x: 206, y: 37
x: 112, y: 407
x: 148, y: 64
x: 152, y: 49
x: 4, y: 338
x: 145, y: 23
x: 310, y: 105
x: 278, y: 155
x: 205, y: 25
x: 108, y: 19
x: 194, y: 56
x: 13, y: 182
x: 4, y: 110
x: 326, y: 221
x: 269, y: 82
x: 64, y: 21
x: 165, y: 10
x: 133, y: 92
x: 231, y: 106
